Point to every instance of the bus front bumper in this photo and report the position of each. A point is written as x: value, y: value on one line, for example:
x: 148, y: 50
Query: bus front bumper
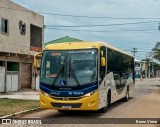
x: 84, y: 103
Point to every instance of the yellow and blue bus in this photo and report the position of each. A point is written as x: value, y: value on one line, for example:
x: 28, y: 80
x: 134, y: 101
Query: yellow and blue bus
x: 84, y: 76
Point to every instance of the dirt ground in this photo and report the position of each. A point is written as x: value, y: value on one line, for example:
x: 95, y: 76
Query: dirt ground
x: 144, y: 102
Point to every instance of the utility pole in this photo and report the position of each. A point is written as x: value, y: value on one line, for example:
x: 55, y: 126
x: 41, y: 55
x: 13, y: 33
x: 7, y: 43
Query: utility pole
x: 152, y: 69
x: 150, y: 55
x: 149, y: 76
x: 134, y: 52
x: 146, y: 67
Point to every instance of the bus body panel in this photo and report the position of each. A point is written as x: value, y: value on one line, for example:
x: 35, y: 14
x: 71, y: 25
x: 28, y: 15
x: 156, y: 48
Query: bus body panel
x: 103, y: 91
x: 99, y: 99
x: 109, y: 84
x: 88, y: 103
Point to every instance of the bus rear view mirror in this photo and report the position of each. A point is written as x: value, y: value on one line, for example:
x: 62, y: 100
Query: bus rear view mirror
x: 103, y: 61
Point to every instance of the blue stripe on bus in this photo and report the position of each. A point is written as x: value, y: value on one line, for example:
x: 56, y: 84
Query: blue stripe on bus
x: 69, y: 93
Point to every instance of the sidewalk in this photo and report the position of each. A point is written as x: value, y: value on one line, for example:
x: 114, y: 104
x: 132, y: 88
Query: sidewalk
x: 23, y: 94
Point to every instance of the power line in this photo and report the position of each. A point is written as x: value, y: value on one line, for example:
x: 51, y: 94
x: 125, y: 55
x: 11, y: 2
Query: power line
x: 143, y: 51
x: 139, y: 52
x: 140, y: 49
x: 77, y: 16
x: 105, y: 31
x: 132, y: 23
x: 80, y: 16
x: 137, y: 47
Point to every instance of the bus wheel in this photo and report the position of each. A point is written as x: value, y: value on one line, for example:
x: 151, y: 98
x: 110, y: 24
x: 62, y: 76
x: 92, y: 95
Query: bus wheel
x: 126, y: 98
x: 62, y: 111
x: 104, y: 109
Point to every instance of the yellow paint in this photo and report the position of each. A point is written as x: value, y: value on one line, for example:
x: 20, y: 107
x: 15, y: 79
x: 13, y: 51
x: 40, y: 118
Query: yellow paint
x: 80, y: 45
x: 45, y: 102
x: 36, y: 57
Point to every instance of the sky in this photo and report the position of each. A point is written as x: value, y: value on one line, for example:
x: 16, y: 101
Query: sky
x: 143, y: 35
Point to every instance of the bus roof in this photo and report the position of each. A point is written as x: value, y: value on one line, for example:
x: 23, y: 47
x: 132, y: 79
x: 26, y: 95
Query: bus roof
x: 81, y: 45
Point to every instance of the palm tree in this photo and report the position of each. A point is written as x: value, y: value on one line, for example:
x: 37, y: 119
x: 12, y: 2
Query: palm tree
x: 156, y: 50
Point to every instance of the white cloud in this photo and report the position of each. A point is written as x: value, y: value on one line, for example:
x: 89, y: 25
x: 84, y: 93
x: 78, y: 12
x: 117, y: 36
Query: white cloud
x: 107, y: 8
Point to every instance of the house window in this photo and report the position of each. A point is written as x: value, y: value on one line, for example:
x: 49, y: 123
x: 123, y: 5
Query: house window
x: 22, y: 28
x: 35, y: 38
x: 4, y: 26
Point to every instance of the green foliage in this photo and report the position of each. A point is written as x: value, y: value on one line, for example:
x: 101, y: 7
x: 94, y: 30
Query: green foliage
x: 157, y: 51
x: 156, y: 66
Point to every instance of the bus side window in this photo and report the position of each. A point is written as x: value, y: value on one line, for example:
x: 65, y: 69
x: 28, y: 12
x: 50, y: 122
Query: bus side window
x: 102, y: 68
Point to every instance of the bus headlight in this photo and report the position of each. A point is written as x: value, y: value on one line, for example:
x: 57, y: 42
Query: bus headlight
x: 44, y: 93
x: 90, y: 94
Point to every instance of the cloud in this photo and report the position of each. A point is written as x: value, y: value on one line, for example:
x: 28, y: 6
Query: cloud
x: 107, y: 8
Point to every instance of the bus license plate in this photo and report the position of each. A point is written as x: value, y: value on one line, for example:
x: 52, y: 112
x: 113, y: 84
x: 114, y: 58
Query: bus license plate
x: 66, y: 107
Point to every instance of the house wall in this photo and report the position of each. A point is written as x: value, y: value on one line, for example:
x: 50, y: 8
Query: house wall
x: 14, y: 42
x: 16, y: 47
x: 25, y: 70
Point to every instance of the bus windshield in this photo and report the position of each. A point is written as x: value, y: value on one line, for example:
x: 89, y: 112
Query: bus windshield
x: 69, y: 68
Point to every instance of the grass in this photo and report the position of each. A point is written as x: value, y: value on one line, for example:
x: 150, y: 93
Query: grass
x: 9, y: 106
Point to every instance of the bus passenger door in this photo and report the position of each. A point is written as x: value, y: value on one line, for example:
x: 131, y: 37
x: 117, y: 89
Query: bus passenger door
x: 102, y: 78
x: 118, y: 82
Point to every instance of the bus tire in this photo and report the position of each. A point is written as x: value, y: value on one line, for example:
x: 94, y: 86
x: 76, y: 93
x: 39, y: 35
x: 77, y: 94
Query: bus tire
x: 104, y: 109
x: 62, y: 111
x: 126, y: 98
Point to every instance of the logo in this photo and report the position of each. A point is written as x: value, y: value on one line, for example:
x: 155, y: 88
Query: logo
x: 63, y: 82
x: 65, y: 98
x: 55, y: 93
x: 6, y: 121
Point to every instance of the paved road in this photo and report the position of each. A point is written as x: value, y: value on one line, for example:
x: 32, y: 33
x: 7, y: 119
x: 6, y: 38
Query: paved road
x: 144, y: 102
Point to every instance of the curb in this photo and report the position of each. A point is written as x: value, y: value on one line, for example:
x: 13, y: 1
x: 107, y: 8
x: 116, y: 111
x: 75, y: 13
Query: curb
x: 21, y: 112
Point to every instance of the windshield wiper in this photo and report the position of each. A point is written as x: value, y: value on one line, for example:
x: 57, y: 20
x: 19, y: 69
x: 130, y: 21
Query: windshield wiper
x: 74, y: 75
x: 59, y: 73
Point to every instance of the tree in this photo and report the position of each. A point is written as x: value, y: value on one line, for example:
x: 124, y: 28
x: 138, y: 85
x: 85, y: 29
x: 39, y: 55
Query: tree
x: 156, y: 66
x: 156, y: 50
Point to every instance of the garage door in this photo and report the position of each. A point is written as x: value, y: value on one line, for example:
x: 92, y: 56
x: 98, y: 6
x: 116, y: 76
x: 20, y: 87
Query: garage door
x: 12, y: 81
x: 25, y: 75
x: 2, y: 78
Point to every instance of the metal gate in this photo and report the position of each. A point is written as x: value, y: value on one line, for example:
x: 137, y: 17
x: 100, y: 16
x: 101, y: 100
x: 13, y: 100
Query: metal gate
x: 12, y: 81
x: 2, y: 79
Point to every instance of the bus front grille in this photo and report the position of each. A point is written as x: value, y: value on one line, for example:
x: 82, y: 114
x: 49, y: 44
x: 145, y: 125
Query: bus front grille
x: 72, y: 105
x: 73, y: 98
x: 66, y: 98
x: 57, y: 98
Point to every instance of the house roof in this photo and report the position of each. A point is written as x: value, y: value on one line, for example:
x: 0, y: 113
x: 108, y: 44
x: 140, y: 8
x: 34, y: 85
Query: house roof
x: 63, y: 39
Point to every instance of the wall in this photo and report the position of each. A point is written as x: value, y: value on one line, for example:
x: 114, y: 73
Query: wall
x: 14, y: 42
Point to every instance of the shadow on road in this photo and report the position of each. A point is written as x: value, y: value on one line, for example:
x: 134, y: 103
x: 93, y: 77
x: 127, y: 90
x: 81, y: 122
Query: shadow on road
x: 118, y: 103
x: 89, y: 114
